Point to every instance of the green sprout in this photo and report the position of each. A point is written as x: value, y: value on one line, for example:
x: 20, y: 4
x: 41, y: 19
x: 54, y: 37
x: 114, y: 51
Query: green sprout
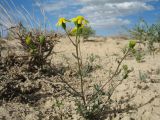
x: 41, y: 39
x: 28, y: 40
x: 132, y: 44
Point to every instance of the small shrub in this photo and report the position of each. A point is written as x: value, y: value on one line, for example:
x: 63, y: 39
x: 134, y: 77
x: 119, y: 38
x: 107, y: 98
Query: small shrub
x: 85, y: 32
x: 38, y: 45
x: 146, y: 34
x: 139, y: 31
x: 92, y: 106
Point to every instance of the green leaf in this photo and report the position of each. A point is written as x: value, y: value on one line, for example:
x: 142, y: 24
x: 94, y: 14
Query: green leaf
x: 41, y: 39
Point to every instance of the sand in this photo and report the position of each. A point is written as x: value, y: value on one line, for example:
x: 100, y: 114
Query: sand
x: 143, y: 93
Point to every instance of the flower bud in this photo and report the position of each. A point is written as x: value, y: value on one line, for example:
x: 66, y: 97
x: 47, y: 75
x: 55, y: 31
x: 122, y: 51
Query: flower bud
x: 132, y: 44
x: 28, y: 40
x: 41, y: 39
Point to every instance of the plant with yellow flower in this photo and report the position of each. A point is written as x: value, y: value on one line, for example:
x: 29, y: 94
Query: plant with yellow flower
x: 79, y: 23
x: 39, y: 47
x: 91, y: 106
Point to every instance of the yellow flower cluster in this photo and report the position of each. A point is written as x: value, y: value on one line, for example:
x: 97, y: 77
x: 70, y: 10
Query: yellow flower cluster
x: 78, y: 21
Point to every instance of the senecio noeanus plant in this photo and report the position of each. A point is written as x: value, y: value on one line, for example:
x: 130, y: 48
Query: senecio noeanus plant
x: 147, y: 35
x: 37, y: 44
x: 91, y: 108
x: 79, y: 23
x: 39, y: 47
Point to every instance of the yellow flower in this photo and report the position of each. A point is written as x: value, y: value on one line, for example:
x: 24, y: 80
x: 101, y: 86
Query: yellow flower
x: 28, y: 40
x: 62, y: 22
x: 79, y: 21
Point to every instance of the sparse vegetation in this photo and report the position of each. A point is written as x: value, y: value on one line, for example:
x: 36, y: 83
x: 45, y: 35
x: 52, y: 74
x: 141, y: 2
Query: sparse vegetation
x: 92, y: 106
x: 44, y: 75
x: 38, y: 45
x: 85, y: 32
x: 90, y: 65
x: 147, y: 35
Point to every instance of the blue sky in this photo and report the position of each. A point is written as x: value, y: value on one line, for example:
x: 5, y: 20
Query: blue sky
x: 107, y: 17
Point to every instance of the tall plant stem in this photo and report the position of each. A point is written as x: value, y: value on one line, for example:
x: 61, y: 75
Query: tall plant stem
x: 79, y: 60
x: 74, y: 44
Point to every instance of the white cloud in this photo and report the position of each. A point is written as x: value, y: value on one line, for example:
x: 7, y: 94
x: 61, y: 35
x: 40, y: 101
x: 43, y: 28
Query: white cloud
x: 103, y: 13
x: 107, y: 23
x: 100, y: 13
x: 55, y: 5
x: 52, y: 6
x: 111, y: 1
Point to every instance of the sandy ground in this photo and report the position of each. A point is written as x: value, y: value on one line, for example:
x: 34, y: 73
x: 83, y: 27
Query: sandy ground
x: 145, y: 93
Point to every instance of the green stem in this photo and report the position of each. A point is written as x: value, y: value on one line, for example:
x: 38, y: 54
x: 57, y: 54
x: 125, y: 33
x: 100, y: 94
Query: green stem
x: 70, y: 38
x: 79, y: 47
x: 79, y: 60
x: 111, y: 78
x: 80, y: 69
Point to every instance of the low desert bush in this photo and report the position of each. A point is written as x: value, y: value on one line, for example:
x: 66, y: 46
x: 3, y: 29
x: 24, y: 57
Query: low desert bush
x: 29, y: 65
x: 147, y: 34
x: 85, y: 32
x: 37, y: 44
x: 91, y: 106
